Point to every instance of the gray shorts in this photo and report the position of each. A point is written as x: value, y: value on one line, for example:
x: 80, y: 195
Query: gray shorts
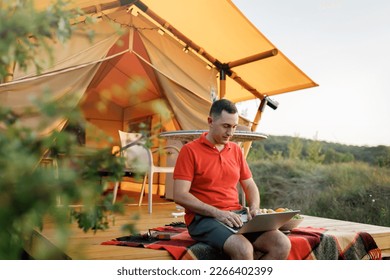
x: 210, y: 231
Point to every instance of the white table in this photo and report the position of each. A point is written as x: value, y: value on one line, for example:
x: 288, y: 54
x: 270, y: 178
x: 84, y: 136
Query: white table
x: 189, y: 135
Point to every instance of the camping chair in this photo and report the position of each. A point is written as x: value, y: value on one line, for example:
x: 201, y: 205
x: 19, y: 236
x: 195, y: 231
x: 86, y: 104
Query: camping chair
x: 139, y: 160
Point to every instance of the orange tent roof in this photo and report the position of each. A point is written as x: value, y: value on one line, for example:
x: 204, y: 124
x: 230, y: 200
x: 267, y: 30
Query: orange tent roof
x: 221, y: 31
x: 149, y: 73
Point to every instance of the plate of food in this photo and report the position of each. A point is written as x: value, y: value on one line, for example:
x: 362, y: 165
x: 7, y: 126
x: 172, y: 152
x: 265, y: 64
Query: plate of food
x: 294, y: 222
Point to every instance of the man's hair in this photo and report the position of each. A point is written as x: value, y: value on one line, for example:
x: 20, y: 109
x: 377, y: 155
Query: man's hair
x: 222, y: 105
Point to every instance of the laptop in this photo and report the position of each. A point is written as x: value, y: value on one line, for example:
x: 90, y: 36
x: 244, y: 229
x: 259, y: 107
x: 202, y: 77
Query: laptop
x: 264, y: 222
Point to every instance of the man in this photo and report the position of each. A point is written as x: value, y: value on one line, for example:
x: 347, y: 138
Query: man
x: 205, y: 178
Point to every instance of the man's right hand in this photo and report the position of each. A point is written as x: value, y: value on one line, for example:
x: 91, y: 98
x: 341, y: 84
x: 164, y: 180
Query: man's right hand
x: 229, y: 218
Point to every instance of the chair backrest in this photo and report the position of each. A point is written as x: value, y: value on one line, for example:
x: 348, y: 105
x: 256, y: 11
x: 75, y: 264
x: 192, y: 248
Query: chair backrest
x: 137, y: 156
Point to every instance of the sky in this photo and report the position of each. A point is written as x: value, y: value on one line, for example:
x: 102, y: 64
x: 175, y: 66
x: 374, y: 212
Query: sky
x: 344, y: 46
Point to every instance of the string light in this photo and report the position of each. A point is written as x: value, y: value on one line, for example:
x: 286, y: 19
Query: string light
x: 126, y: 25
x: 186, y: 49
x: 159, y: 29
x: 162, y: 29
x: 133, y: 10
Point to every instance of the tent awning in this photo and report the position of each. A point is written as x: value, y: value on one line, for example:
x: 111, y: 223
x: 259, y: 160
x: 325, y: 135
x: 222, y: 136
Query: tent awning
x: 173, y: 81
x: 221, y: 31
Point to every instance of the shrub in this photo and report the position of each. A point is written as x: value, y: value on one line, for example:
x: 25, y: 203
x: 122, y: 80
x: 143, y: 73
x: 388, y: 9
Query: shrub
x: 348, y: 191
x: 29, y: 192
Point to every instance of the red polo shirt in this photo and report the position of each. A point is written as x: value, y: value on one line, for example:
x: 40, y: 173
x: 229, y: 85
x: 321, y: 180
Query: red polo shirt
x: 213, y: 174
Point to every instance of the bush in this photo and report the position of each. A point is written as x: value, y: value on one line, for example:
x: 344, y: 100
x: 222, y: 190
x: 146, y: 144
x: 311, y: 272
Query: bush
x: 357, y: 192
x: 348, y: 191
x: 29, y: 191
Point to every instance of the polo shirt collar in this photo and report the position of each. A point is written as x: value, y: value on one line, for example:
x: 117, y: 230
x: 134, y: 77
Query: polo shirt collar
x: 206, y: 142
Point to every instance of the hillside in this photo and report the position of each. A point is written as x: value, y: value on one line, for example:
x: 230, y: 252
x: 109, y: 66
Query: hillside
x: 323, y: 179
x: 332, y: 152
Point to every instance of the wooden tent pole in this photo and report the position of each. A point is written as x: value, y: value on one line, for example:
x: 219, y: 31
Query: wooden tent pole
x: 222, y: 83
x: 259, y: 112
x: 247, y: 145
x: 106, y: 6
x: 253, y: 58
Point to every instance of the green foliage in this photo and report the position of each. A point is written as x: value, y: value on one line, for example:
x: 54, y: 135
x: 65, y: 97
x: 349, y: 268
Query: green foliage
x: 358, y: 193
x: 273, y: 144
x: 24, y: 32
x: 257, y: 153
x: 328, y: 152
x: 283, y: 181
x: 353, y: 191
x: 314, y: 152
x: 382, y: 155
x: 330, y: 180
x: 30, y: 190
x: 332, y: 156
x: 295, y: 148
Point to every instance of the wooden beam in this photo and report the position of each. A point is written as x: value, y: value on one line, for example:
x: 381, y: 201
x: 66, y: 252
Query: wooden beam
x: 253, y: 58
x: 258, y: 114
x: 222, y: 84
x: 220, y: 66
x: 189, y: 43
x: 248, y: 145
x: 106, y: 6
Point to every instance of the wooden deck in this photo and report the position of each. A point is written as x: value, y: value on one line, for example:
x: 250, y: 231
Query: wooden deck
x: 87, y: 245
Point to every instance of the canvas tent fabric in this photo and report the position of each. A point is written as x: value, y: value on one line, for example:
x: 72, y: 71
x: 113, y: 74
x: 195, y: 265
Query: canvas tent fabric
x: 143, y: 73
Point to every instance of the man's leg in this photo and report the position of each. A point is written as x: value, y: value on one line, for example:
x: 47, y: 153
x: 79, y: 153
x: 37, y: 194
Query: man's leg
x: 238, y: 247
x: 274, y: 245
x: 209, y: 231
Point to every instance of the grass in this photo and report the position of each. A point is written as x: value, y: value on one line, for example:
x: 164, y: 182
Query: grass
x: 351, y: 191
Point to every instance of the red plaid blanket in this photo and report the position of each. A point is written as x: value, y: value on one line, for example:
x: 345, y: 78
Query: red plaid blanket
x: 321, y: 244
x: 307, y: 244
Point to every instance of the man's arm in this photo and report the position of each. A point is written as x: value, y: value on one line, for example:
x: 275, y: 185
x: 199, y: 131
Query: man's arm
x: 182, y: 196
x: 252, y: 195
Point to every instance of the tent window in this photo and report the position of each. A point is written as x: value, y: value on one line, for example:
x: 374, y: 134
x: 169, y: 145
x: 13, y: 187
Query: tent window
x: 141, y: 125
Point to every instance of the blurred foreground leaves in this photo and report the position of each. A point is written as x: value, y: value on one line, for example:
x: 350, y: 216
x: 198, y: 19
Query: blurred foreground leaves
x: 43, y: 175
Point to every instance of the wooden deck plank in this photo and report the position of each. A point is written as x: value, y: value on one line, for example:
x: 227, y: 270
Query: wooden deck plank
x: 87, y: 245
x: 380, y: 234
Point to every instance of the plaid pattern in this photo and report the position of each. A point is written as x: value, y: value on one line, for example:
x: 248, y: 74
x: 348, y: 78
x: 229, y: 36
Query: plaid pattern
x: 321, y: 244
x: 307, y: 244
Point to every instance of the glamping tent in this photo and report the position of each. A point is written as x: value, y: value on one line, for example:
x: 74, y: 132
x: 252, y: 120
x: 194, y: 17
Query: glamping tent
x: 172, y: 59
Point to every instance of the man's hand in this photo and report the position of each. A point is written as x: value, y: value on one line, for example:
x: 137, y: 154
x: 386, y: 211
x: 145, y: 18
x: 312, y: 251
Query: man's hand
x: 229, y: 218
x: 252, y: 212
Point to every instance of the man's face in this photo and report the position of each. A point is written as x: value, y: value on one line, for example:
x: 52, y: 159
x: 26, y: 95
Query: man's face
x: 223, y: 128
